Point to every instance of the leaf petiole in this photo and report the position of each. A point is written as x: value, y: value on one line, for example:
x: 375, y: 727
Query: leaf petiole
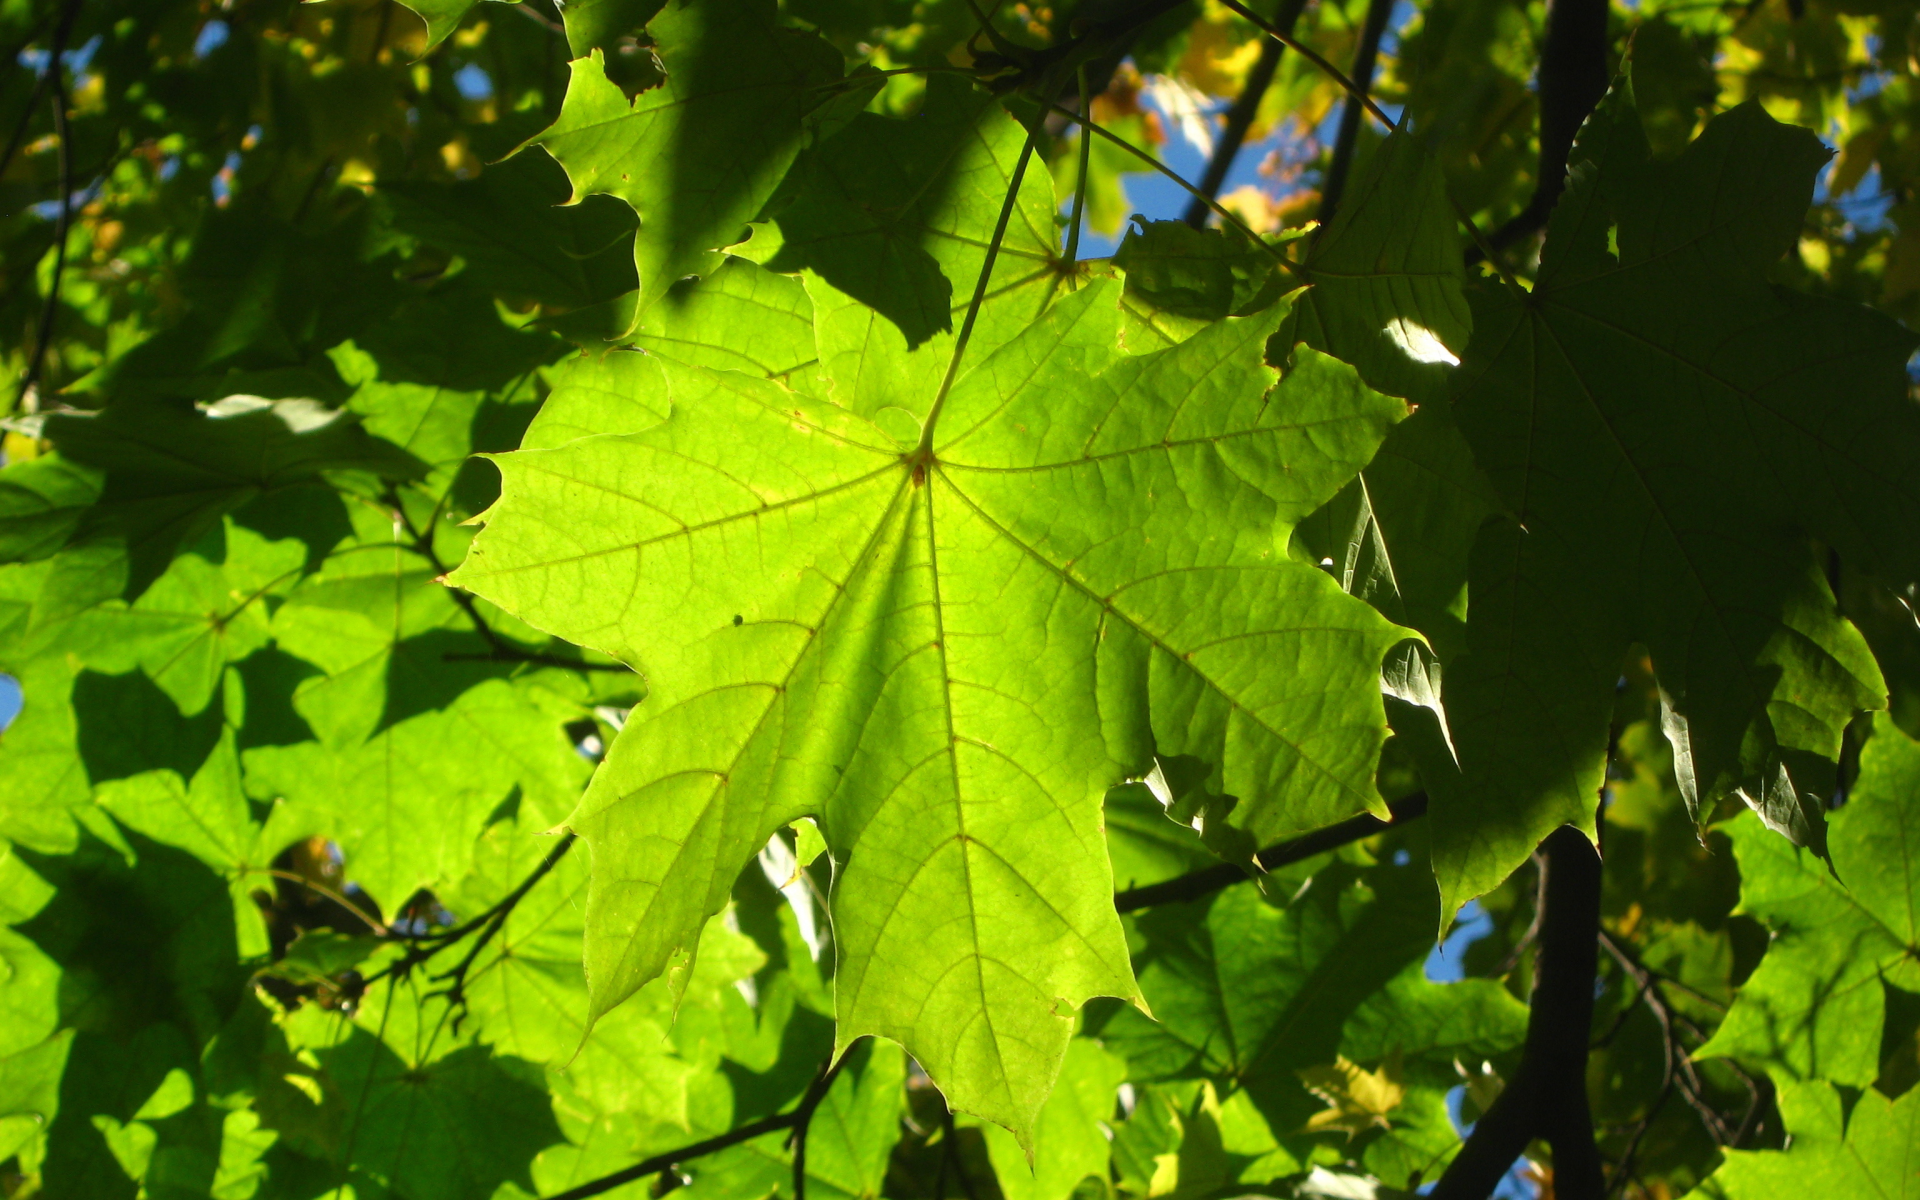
x: 923, y: 452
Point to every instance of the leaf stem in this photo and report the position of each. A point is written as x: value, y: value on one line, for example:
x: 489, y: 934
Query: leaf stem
x: 925, y: 449
x: 1080, y: 186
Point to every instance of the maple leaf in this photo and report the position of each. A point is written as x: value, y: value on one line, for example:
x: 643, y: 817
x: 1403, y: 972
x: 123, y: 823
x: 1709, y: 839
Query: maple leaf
x: 1667, y: 429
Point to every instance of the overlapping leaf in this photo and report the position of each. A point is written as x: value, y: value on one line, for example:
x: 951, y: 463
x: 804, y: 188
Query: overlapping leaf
x: 698, y: 156
x: 1667, y: 429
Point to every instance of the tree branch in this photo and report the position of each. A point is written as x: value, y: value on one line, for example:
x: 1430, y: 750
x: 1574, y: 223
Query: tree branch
x: 1364, y: 58
x: 1209, y: 880
x: 803, y: 1120
x: 1573, y: 78
x: 498, y: 649
x: 1547, y: 1097
x: 488, y: 923
x: 797, y: 1120
x: 1245, y: 108
x: 49, y: 78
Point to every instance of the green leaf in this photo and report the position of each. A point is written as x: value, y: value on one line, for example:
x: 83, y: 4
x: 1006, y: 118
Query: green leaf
x: 1242, y: 989
x: 442, y: 16
x: 33, y: 1046
x: 172, y: 471
x: 1070, y: 1137
x: 1386, y: 276
x: 517, y: 235
x: 699, y: 155
x: 1814, y: 1007
x: 1199, y: 274
x: 853, y: 1131
x: 599, y: 24
x: 920, y: 616
x: 260, y: 301
x: 1866, y: 1152
x: 884, y: 193
x: 42, y: 502
x: 1661, y: 423
x: 870, y: 357
x: 443, y: 1128
x: 208, y: 610
x: 42, y: 776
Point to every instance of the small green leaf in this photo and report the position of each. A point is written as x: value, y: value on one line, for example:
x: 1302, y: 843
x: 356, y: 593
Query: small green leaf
x: 1199, y: 274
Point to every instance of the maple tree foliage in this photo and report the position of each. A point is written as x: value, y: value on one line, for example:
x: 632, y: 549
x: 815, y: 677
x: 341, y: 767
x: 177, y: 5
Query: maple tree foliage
x: 718, y: 596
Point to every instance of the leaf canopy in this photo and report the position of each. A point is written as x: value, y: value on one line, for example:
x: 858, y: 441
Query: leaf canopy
x: 873, y: 613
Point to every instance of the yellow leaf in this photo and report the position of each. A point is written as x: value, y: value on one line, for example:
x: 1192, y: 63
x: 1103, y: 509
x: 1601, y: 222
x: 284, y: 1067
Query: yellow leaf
x: 1357, y: 1099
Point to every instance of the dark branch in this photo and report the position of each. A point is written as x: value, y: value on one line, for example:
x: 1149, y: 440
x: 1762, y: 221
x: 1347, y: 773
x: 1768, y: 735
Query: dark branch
x: 1573, y: 78
x: 796, y: 1120
x: 498, y: 648
x: 49, y: 78
x: 1547, y: 1097
x: 660, y: 1162
x: 422, y: 948
x: 1209, y: 880
x: 1364, y: 58
x: 1187, y: 887
x: 1245, y: 108
x: 803, y: 1120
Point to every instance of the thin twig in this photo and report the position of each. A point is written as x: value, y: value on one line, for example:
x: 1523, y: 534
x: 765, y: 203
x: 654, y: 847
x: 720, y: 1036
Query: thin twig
x: 321, y: 889
x: 1339, y: 77
x: 537, y: 17
x: 1532, y: 932
x: 48, y: 78
x: 1379, y: 114
x: 733, y: 1137
x: 1170, y: 173
x: 662, y: 1162
x: 925, y: 448
x: 1209, y: 880
x: 498, y: 648
x: 803, y: 1120
x: 422, y: 947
